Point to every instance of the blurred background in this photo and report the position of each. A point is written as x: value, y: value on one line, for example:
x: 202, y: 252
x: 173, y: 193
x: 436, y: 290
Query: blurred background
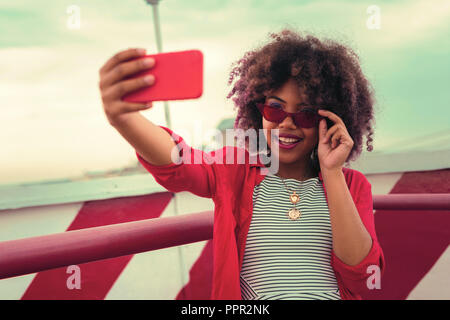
x: 63, y: 167
x: 52, y: 123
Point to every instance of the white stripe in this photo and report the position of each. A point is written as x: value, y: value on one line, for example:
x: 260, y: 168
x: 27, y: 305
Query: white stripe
x: 435, y: 285
x: 32, y: 222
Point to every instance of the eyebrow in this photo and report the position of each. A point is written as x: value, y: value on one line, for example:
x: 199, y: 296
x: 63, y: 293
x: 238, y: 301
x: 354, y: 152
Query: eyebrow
x: 281, y: 100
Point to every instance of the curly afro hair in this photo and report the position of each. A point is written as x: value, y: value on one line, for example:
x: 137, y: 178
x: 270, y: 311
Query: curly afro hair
x: 329, y: 72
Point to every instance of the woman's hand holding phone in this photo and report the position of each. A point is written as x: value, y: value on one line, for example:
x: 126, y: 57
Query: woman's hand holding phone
x: 127, y: 85
x: 153, y: 143
x: 115, y: 83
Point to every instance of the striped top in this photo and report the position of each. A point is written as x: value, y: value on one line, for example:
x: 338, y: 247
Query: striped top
x: 288, y: 259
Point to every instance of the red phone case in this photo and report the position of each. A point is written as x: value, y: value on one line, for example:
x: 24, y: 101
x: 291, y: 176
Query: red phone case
x: 178, y: 75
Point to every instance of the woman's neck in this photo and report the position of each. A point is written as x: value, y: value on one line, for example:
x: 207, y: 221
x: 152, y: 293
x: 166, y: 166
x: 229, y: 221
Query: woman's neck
x: 299, y: 171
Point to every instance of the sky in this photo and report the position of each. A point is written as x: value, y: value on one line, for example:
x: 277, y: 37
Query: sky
x: 53, y: 126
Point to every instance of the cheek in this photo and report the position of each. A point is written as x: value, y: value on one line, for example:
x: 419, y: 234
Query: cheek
x: 268, y: 126
x: 312, y: 135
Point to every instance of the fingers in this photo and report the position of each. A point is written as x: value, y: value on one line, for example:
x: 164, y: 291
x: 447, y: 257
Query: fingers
x: 114, y: 84
x: 126, y: 107
x: 330, y: 115
x: 125, y: 69
x: 119, y: 108
x: 322, y: 129
x: 337, y: 135
x: 118, y: 90
x: 330, y: 132
x: 121, y: 57
x: 336, y: 139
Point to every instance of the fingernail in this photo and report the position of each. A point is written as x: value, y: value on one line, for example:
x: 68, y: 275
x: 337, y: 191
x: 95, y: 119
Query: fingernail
x: 141, y: 51
x: 149, y: 78
x: 149, y: 61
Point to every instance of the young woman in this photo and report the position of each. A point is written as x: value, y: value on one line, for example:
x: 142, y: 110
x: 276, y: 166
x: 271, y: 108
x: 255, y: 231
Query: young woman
x: 306, y: 231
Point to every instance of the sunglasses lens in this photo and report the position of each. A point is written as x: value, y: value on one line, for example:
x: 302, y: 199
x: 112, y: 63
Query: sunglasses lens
x: 274, y: 114
x: 306, y: 119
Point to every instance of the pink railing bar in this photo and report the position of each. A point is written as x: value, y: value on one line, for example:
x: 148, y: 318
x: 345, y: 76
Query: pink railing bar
x: 418, y: 201
x: 30, y: 255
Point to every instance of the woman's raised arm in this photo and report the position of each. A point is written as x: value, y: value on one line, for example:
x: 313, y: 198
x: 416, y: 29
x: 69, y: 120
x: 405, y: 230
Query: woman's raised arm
x: 153, y: 143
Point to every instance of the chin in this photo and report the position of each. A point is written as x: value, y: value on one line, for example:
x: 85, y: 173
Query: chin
x: 287, y: 156
x: 289, y: 159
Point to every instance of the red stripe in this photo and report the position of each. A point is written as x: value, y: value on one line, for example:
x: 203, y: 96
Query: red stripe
x: 412, y: 241
x: 200, y: 277
x: 97, y: 277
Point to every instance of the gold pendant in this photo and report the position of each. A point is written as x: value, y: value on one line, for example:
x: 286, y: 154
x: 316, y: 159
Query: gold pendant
x: 294, y: 198
x: 294, y: 214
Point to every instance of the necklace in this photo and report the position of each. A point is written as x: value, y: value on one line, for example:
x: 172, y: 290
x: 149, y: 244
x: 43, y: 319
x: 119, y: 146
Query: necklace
x: 293, y: 213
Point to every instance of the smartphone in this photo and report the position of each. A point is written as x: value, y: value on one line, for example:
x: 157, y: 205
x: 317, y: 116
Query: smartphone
x: 178, y: 76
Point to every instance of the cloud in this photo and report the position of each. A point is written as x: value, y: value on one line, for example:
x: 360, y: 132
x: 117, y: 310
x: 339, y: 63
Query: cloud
x: 409, y: 23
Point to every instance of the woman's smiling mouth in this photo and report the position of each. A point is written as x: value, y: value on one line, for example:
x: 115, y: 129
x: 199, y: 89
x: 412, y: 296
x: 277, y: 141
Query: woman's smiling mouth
x: 287, y: 141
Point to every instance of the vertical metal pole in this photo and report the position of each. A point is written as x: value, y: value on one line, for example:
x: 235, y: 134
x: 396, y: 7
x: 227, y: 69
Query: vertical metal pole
x: 159, y: 48
x: 154, y: 4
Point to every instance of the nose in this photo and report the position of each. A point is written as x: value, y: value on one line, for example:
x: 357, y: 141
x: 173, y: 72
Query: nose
x: 287, y: 123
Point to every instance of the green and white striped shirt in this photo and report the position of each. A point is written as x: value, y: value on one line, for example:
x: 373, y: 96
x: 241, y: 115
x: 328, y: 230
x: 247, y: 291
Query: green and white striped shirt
x: 288, y: 259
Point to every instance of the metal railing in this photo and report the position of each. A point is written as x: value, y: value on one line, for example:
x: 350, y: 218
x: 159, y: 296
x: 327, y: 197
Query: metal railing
x: 30, y: 255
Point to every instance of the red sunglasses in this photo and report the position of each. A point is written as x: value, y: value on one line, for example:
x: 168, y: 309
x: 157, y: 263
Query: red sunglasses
x: 306, y: 118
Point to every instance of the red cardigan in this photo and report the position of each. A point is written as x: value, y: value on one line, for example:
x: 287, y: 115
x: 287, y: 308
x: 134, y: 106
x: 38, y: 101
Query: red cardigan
x: 231, y: 188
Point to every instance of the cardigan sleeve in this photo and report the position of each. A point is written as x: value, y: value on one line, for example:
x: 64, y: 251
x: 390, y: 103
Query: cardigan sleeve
x: 193, y: 172
x: 355, y: 277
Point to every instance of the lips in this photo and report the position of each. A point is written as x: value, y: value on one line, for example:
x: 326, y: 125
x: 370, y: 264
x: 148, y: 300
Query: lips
x: 286, y: 135
x: 285, y: 140
x: 288, y: 141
